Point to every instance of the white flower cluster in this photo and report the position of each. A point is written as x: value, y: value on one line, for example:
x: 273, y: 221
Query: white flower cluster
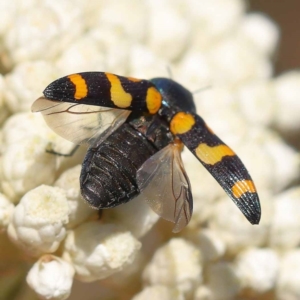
x: 212, y: 45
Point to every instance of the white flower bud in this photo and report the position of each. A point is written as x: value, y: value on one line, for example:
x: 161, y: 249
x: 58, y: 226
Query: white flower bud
x: 223, y: 281
x: 287, y: 287
x: 159, y: 292
x: 8, y: 11
x: 37, y: 30
x: 194, y: 72
x: 257, y: 270
x: 109, y: 40
x: 211, y: 245
x: 143, y: 63
x: 26, y: 139
x: 25, y: 165
x: 176, y: 264
x: 235, y: 63
x: 203, y: 293
x: 285, y: 170
x: 130, y: 277
x: 98, y: 250
x: 287, y: 91
x: 21, y: 126
x: 256, y: 102
x: 84, y: 54
x: 79, y: 210
x: 51, y: 278
x: 38, y: 222
x: 26, y: 83
x: 136, y: 215
x: 236, y: 231
x: 167, y: 30
x: 285, y: 224
x: 214, y: 19
x: 116, y: 14
x: 261, y: 31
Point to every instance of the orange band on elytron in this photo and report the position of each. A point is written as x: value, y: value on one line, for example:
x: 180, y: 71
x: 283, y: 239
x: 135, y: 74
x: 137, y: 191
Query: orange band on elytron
x: 241, y: 187
x: 118, y: 95
x: 182, y: 123
x: 153, y: 100
x: 212, y: 155
x: 81, y: 89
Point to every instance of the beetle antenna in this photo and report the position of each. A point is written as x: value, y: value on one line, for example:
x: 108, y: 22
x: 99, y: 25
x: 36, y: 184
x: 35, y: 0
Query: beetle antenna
x: 169, y: 71
x: 201, y: 89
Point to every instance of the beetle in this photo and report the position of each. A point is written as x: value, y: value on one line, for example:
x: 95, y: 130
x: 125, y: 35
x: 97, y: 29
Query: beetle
x: 135, y: 130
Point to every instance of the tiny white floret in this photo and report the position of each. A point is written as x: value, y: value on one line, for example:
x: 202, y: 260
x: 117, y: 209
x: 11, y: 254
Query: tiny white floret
x: 51, y: 278
x: 176, y: 264
x: 79, y: 210
x: 136, y: 215
x: 42, y: 30
x: 256, y: 102
x: 285, y: 224
x: 20, y: 126
x: 25, y: 165
x: 98, y: 250
x: 115, y: 14
x: 159, y: 292
x: 287, y: 91
x: 257, y: 269
x: 168, y: 34
x: 203, y: 293
x: 211, y: 245
x: 289, y: 273
x: 223, y: 281
x: 214, y: 19
x: 260, y: 31
x: 26, y: 83
x: 231, y: 226
x: 235, y: 63
x: 38, y: 222
x: 144, y: 63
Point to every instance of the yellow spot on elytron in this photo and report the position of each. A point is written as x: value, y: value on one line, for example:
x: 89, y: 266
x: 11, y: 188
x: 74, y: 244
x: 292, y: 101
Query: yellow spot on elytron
x: 153, y: 100
x: 133, y: 79
x: 212, y: 155
x: 182, y: 123
x: 243, y: 186
x: 118, y: 95
x: 81, y: 89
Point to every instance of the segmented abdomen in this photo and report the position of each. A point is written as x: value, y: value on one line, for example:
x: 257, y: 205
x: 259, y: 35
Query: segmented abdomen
x: 108, y: 175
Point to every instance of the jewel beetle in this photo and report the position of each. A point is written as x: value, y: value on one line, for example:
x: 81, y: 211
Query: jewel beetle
x: 135, y: 130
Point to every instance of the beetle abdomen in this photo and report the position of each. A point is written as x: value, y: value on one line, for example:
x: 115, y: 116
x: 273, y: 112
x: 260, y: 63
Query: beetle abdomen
x: 108, y: 175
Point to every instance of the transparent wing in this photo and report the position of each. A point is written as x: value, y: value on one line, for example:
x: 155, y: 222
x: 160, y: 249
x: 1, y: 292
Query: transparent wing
x: 80, y: 123
x: 165, y: 186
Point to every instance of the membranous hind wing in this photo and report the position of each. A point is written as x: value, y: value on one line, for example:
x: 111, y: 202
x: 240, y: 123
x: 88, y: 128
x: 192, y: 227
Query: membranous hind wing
x: 80, y: 123
x: 224, y: 165
x: 163, y: 183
